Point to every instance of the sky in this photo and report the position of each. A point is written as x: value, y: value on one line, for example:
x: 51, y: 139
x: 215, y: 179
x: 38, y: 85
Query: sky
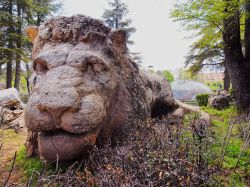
x: 160, y: 41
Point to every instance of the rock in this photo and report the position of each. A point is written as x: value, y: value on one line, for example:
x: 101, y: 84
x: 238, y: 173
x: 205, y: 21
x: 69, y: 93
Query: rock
x: 220, y: 100
x: 11, y: 119
x: 18, y: 124
x: 10, y: 98
x: 87, y: 90
x: 2, y: 86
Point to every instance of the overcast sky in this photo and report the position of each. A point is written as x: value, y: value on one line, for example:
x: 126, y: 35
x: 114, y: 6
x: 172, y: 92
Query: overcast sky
x: 160, y: 41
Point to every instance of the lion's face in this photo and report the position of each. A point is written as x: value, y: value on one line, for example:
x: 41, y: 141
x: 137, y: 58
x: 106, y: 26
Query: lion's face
x: 71, y: 94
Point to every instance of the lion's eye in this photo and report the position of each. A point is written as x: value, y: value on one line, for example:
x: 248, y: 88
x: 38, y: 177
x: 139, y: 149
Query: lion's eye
x: 97, y: 64
x: 40, y: 66
x: 97, y: 68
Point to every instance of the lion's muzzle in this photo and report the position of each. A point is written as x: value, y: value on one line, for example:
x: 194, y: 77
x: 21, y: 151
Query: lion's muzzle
x: 67, y: 124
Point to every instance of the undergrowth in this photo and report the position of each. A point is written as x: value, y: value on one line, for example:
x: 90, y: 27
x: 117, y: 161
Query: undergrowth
x: 27, y: 165
x: 157, y: 153
x: 227, y: 147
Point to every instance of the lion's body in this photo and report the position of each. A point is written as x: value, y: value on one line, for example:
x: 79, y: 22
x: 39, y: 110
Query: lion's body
x: 87, y: 88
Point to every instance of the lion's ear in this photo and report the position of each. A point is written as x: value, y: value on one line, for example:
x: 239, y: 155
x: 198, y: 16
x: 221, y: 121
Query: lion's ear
x: 32, y: 32
x: 119, y: 38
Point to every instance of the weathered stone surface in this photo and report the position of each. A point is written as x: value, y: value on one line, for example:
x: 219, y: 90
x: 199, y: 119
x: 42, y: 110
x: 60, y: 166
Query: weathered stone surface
x: 11, y: 119
x: 10, y: 98
x: 87, y: 90
x: 220, y: 100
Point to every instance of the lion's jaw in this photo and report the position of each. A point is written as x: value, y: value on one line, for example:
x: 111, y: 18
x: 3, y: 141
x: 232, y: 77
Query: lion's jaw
x: 69, y: 100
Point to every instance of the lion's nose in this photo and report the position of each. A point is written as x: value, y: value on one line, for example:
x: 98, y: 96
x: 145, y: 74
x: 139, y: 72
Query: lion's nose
x: 45, y: 107
x: 58, y: 101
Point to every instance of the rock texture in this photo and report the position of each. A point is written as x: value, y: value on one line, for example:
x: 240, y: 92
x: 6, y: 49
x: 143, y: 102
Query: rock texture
x: 220, y: 100
x: 11, y: 119
x: 86, y: 88
x: 9, y: 98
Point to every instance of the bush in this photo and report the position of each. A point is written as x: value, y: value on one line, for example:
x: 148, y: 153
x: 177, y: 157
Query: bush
x: 202, y: 99
x: 168, y: 75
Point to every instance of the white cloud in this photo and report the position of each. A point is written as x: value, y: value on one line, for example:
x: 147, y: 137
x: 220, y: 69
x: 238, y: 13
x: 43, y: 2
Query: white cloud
x: 159, y: 40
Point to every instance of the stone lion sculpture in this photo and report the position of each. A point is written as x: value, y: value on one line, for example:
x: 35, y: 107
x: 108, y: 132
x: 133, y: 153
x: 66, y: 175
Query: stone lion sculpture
x: 86, y: 88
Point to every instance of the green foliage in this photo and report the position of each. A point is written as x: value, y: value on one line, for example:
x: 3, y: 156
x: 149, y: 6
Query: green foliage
x: 28, y: 165
x: 184, y: 74
x: 168, y: 75
x: 214, y: 85
x: 116, y: 17
x: 202, y: 99
x: 14, y: 17
x: 221, y: 120
x: 33, y: 166
x: 205, y: 18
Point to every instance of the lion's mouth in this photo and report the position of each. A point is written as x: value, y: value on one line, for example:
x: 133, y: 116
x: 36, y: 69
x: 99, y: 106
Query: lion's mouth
x: 63, y: 145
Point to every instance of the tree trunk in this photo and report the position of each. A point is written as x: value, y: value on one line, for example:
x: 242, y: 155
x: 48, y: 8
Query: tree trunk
x: 19, y: 45
x: 27, y: 77
x: 10, y: 47
x: 237, y: 65
x: 9, y: 72
x: 17, y: 73
x: 226, y: 80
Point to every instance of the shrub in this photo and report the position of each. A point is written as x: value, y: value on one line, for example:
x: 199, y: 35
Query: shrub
x: 168, y: 75
x: 202, y: 99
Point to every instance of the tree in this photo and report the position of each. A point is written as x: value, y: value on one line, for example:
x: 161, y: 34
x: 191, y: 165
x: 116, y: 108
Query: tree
x: 207, y: 51
x: 15, y: 15
x: 204, y: 55
x: 116, y: 17
x: 229, y: 18
x: 183, y: 74
x: 168, y: 75
x: 7, y: 6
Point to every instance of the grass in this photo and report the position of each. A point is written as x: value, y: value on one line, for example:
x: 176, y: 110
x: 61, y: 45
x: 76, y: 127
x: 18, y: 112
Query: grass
x: 221, y: 120
x: 11, y: 141
x: 188, y: 143
x: 31, y: 166
x: 27, y: 165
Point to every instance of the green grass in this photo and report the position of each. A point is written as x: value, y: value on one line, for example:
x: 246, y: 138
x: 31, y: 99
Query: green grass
x: 220, y: 120
x: 33, y: 165
x: 28, y: 165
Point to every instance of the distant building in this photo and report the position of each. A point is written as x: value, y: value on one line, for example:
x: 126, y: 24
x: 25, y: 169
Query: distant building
x: 210, y: 76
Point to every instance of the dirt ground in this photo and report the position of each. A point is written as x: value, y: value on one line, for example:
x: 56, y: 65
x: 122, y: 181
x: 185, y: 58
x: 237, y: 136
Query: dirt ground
x: 10, y: 142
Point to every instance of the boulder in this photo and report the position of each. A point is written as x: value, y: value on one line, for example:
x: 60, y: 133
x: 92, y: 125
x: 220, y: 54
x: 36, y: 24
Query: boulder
x: 220, y: 100
x: 9, y: 98
x: 2, y: 85
x: 11, y: 119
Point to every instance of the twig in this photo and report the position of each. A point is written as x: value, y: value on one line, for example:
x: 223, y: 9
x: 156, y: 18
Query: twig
x: 243, y: 147
x: 12, y: 167
x: 226, y: 141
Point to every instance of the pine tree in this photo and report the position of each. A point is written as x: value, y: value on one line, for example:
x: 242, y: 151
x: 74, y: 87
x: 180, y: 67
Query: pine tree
x: 15, y: 15
x: 116, y: 17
